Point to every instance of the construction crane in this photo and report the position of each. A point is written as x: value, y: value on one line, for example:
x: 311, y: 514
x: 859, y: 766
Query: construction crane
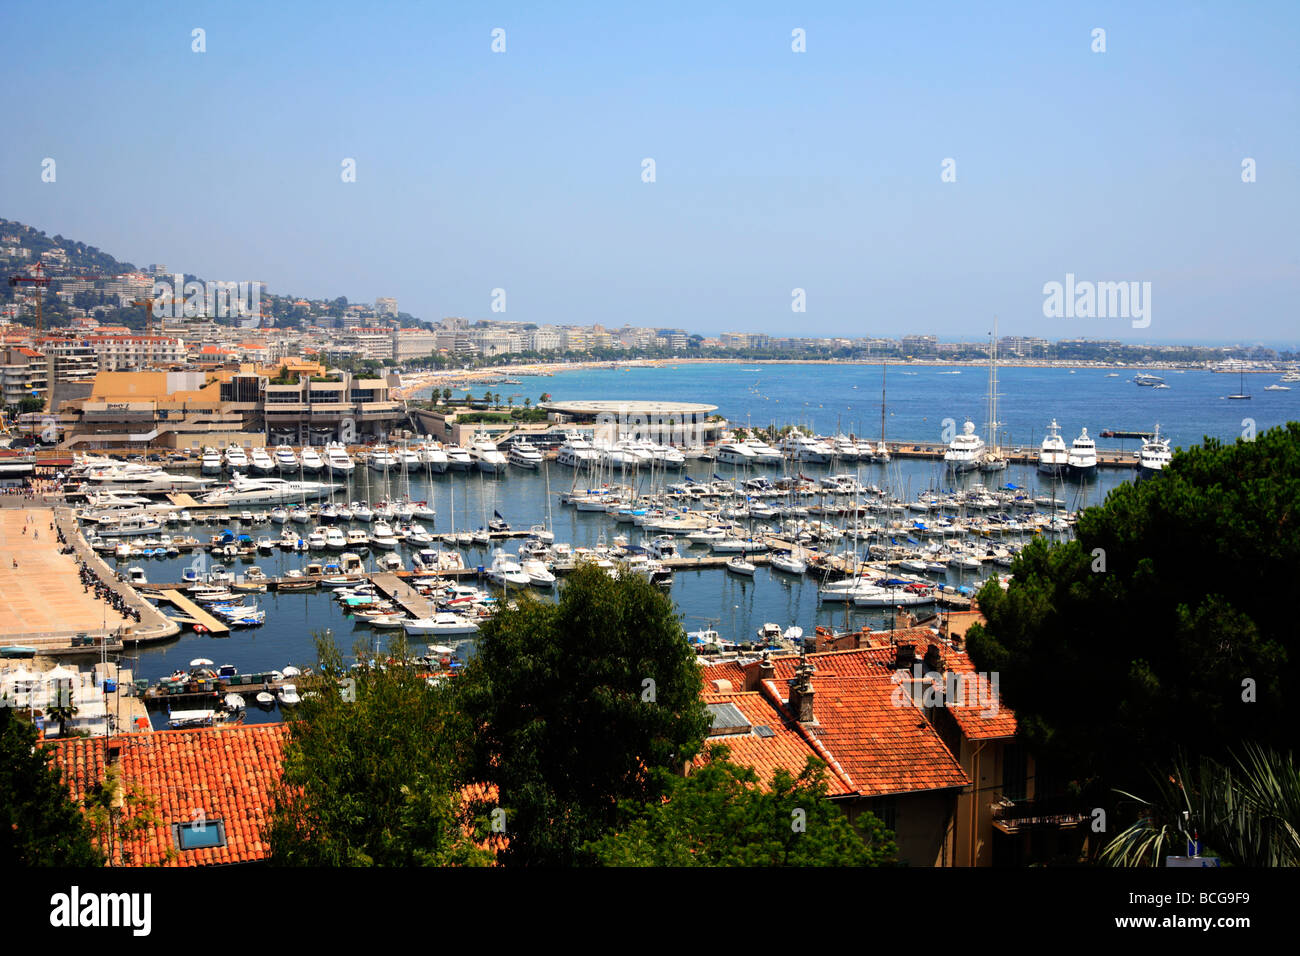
x: 147, y: 302
x: 39, y: 279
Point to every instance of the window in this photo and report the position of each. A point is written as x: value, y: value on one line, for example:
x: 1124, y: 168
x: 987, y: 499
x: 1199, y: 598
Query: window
x: 1014, y: 772
x: 195, y: 836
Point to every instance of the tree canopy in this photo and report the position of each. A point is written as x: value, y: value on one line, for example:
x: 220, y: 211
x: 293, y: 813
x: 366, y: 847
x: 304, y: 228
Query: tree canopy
x: 372, y: 772
x: 577, y: 706
x: 1163, y: 625
x: 39, y: 823
x: 720, y: 815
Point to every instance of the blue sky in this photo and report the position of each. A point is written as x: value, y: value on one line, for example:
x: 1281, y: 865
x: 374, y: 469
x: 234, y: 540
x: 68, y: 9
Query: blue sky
x: 774, y: 169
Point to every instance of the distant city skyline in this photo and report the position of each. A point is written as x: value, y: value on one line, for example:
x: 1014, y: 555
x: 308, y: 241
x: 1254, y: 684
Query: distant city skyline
x: 773, y: 170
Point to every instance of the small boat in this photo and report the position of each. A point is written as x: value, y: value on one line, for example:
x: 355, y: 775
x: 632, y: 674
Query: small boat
x: 265, y: 699
x: 298, y: 585
x: 289, y: 695
x: 738, y: 565
x: 789, y: 564
x: 234, y: 702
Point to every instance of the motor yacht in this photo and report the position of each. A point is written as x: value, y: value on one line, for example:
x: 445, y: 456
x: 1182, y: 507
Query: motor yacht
x: 1154, y: 456
x: 433, y: 457
x: 285, y: 459
x: 965, y: 451
x: 382, y: 459
x: 458, y: 459
x: 337, y: 459
x: 262, y: 463
x: 211, y: 463
x: 524, y: 455
x: 244, y: 490
x: 577, y: 452
x: 236, y: 460
x: 1082, y: 460
x: 1053, y: 457
x: 310, y: 460
x: 486, y: 456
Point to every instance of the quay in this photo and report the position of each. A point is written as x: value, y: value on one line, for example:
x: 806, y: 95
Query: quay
x: 194, y: 613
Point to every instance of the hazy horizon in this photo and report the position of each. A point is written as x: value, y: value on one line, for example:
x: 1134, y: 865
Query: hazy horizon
x: 774, y: 170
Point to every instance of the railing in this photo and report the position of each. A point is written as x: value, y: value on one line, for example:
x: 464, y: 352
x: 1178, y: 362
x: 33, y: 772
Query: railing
x: 1054, y: 812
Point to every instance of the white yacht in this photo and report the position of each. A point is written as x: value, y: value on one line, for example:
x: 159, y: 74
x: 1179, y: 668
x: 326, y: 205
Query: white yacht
x: 525, y: 455
x: 458, y: 458
x: 1082, y: 461
x: 801, y: 447
x: 506, y: 571
x: 236, y: 460
x: 244, y: 490
x: 432, y: 456
x: 337, y: 459
x: 381, y: 458
x: 311, y: 460
x: 1154, y: 456
x: 444, y: 622
x: 408, y: 459
x: 335, y: 539
x: 381, y: 535
x: 211, y: 464
x: 764, y: 454
x: 485, y: 454
x: 577, y: 452
x: 735, y: 453
x: 285, y: 459
x: 1053, y: 457
x: 966, y: 451
x: 262, y: 463
x: 138, y: 479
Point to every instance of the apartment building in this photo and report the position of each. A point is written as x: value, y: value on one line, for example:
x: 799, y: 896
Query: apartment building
x: 414, y: 343
x: 23, y: 375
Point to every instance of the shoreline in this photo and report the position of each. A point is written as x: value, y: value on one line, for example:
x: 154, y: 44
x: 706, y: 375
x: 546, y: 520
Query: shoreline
x: 455, y: 378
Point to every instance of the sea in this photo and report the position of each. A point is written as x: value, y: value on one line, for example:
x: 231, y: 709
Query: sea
x: 824, y: 398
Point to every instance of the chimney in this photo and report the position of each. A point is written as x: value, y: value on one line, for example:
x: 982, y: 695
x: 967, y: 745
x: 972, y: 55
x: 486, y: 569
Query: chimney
x: 905, y: 656
x: 801, y: 694
x: 933, y: 659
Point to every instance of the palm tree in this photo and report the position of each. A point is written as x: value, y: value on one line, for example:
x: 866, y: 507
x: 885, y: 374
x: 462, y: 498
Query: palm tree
x: 1248, y: 813
x: 446, y: 396
x: 62, y: 712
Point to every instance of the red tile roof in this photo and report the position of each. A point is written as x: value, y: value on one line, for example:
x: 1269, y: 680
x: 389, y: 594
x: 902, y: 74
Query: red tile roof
x: 785, y: 750
x: 981, y: 714
x: 878, y: 742
x: 227, y: 773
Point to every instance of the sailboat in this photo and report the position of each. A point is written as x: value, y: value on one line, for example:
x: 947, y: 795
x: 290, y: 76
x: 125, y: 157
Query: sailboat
x: 881, y: 455
x: 993, y: 459
x: 1241, y: 388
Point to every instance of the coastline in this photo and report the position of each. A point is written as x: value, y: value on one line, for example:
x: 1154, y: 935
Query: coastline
x: 457, y: 378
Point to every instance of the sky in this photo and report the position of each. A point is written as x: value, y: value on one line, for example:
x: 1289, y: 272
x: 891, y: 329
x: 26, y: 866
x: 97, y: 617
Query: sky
x: 774, y: 170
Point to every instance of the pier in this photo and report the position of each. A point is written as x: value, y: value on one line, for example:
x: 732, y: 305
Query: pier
x: 194, y: 613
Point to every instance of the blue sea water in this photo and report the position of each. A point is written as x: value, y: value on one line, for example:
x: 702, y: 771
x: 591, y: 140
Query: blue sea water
x: 826, y: 397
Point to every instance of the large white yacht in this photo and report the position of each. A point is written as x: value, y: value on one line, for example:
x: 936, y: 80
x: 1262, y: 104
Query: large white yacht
x: 1154, y: 456
x: 525, y: 455
x: 735, y: 453
x: 211, y: 464
x: 381, y: 458
x: 966, y: 451
x: 576, y: 451
x: 1082, y: 461
x: 458, y: 458
x: 285, y: 459
x: 432, y: 456
x: 1053, y: 457
x: 487, y: 456
x: 244, y: 490
x: 764, y: 454
x: 138, y: 479
x: 236, y: 460
x: 801, y: 447
x: 262, y: 463
x: 311, y: 460
x: 337, y: 459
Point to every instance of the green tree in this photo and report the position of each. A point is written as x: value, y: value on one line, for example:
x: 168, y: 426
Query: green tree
x: 446, y: 396
x: 1153, y: 631
x: 576, y: 706
x: 372, y: 771
x: 39, y: 823
x: 720, y: 815
x: 1247, y: 812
